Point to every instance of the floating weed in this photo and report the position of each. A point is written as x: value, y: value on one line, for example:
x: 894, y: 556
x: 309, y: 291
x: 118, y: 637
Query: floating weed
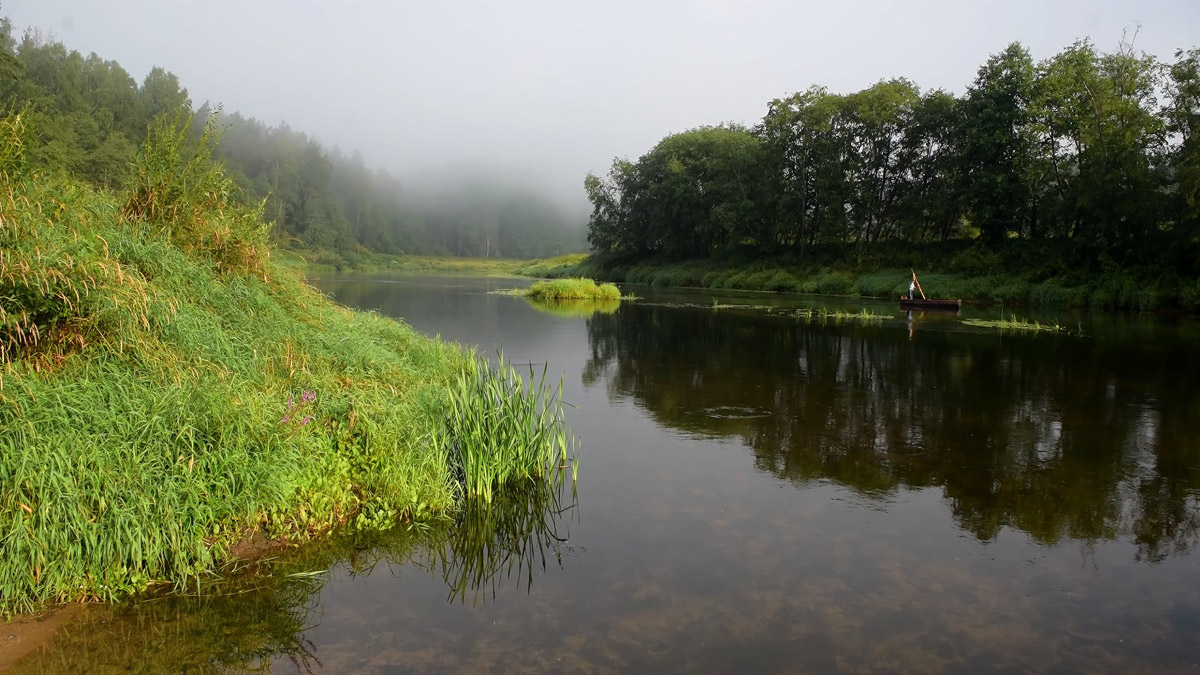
x: 822, y: 314
x: 1014, y: 324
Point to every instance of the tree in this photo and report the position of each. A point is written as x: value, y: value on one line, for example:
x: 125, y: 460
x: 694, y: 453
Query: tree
x: 998, y: 146
x: 1182, y: 120
x: 694, y: 192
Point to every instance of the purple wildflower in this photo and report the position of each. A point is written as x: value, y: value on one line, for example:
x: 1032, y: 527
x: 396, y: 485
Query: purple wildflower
x: 291, y: 403
x: 306, y: 419
x: 286, y: 418
x: 309, y: 396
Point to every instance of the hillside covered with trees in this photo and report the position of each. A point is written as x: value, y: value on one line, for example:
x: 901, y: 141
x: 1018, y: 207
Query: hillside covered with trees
x: 1083, y: 165
x: 89, y: 115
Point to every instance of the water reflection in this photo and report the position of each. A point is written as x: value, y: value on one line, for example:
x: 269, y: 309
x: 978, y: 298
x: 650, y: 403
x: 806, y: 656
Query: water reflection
x: 507, y: 540
x: 1063, y: 438
x: 261, y: 622
x: 575, y: 308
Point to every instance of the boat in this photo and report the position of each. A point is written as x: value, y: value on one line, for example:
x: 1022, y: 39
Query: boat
x: 922, y: 303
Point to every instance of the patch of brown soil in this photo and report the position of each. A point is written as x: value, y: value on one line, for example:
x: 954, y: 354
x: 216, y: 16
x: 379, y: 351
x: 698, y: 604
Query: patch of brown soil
x: 20, y: 636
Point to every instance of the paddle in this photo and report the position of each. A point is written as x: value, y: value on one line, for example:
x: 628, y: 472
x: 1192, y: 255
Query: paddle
x: 914, y: 273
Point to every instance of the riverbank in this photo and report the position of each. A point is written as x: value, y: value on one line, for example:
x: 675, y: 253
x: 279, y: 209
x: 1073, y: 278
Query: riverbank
x: 371, y: 262
x: 1126, y: 290
x: 168, y: 388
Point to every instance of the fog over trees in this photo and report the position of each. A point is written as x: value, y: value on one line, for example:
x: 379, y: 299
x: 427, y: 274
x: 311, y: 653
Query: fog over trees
x: 89, y: 116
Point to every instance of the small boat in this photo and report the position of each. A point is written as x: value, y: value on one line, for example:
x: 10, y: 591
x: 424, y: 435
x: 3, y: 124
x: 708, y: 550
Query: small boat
x: 921, y: 303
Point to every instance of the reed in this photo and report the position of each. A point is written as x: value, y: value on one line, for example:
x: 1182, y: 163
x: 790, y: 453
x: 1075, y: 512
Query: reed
x: 501, y: 427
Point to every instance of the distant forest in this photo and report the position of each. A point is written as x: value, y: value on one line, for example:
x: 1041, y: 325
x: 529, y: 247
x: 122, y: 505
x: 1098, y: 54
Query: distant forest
x: 1087, y: 157
x: 90, y: 117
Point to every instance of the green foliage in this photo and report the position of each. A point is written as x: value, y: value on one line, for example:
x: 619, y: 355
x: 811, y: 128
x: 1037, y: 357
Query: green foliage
x: 180, y: 190
x: 1024, y: 273
x: 573, y: 289
x: 216, y: 392
x: 562, y: 266
x: 13, y: 134
x: 1072, y: 159
x: 500, y: 429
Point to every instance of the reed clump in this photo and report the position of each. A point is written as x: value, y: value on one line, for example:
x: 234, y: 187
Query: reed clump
x: 501, y: 427
x: 166, y: 388
x: 573, y: 289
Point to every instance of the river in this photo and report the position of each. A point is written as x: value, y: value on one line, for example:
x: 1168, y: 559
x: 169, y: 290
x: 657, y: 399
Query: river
x: 759, y: 493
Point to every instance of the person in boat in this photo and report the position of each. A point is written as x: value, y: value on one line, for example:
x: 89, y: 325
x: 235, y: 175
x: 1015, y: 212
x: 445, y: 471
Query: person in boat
x: 912, y: 286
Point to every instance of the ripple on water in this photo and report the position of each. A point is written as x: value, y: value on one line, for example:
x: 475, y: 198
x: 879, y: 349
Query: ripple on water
x: 736, y: 412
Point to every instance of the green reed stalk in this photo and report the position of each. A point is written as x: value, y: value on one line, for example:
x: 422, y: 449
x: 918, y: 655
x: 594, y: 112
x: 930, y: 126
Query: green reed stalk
x: 501, y: 427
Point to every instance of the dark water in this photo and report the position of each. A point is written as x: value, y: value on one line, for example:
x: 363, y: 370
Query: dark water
x: 760, y: 494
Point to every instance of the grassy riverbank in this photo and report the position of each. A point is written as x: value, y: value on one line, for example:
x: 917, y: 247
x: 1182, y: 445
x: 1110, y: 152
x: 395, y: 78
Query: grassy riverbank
x: 370, y: 262
x: 166, y: 387
x: 963, y: 274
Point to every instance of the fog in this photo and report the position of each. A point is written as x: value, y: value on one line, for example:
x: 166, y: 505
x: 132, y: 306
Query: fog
x: 538, y: 94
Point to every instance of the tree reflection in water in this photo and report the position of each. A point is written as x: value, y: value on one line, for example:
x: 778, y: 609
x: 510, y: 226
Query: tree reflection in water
x: 1060, y: 437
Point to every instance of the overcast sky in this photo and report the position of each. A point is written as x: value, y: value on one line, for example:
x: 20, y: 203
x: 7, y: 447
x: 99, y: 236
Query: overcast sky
x: 546, y: 91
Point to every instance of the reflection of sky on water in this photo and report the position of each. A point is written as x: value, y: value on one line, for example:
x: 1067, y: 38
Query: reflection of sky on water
x: 765, y: 495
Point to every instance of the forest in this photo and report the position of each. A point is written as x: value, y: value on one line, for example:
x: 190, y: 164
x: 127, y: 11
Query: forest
x: 1085, y: 163
x: 89, y: 117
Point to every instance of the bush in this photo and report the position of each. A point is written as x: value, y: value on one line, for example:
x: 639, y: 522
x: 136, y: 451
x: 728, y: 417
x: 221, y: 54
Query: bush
x: 189, y: 196
x: 976, y: 262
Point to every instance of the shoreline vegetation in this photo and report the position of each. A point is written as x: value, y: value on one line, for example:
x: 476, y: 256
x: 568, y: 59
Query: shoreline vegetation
x: 168, y: 389
x: 1073, y: 180
x: 982, y: 285
x: 383, y: 263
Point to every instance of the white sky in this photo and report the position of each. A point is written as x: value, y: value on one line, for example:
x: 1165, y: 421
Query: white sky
x: 542, y: 92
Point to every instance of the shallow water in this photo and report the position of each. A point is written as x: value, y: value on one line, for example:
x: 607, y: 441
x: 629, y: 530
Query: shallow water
x: 760, y: 493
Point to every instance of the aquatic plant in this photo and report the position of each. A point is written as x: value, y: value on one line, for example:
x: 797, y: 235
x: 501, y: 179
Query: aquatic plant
x: 825, y: 314
x: 500, y: 428
x: 573, y: 289
x: 1015, y: 324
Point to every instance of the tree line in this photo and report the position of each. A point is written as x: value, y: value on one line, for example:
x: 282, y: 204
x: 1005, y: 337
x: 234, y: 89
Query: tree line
x: 1097, y: 153
x: 89, y: 116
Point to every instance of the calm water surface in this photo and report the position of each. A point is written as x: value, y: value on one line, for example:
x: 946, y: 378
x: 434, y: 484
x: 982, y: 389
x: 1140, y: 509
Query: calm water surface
x: 759, y: 493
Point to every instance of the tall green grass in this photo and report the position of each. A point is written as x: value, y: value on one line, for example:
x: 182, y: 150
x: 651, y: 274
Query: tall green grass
x: 500, y: 428
x: 573, y: 289
x: 166, y: 388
